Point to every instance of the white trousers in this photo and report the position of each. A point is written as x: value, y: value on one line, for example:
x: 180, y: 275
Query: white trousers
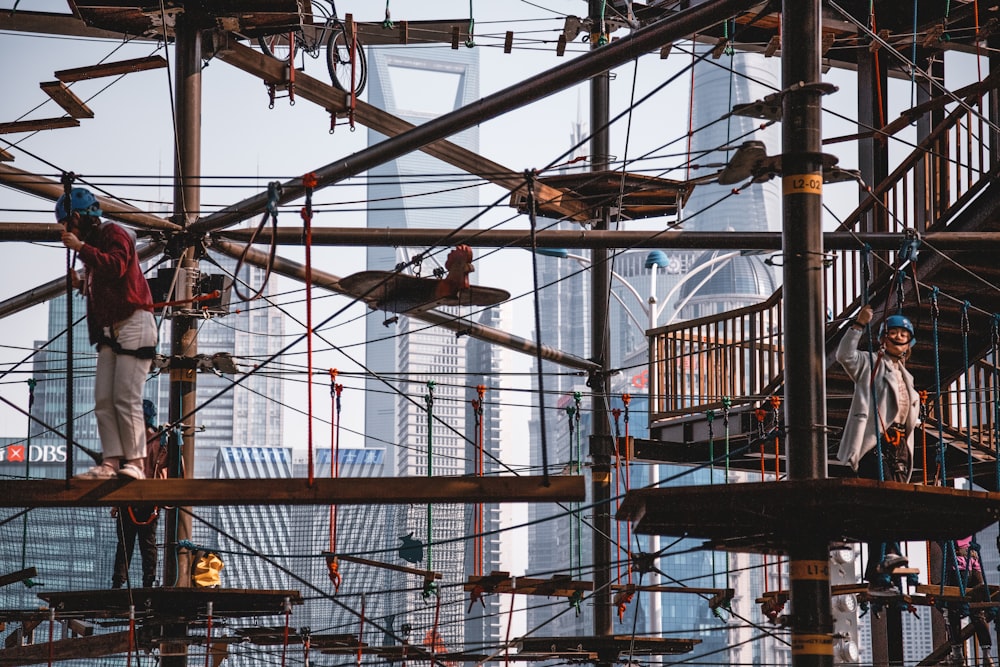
x: 118, y: 388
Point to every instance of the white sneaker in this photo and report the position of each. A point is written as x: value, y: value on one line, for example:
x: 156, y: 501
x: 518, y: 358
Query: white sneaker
x: 98, y: 472
x: 131, y: 471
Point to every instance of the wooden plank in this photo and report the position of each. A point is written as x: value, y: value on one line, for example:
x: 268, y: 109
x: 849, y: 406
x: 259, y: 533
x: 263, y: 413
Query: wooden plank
x: 36, y: 125
x: 5, y: 156
x: 57, y: 24
x: 65, y: 98
x: 557, y: 586
x: 95, y: 646
x: 426, y: 574
x: 341, y: 491
x: 20, y: 575
x: 336, y: 101
x: 111, y: 69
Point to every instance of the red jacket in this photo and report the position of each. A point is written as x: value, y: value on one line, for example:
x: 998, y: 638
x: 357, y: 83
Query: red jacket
x: 114, y: 284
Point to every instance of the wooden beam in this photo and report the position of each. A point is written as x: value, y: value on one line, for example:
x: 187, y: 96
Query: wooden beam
x: 426, y: 574
x: 20, y: 575
x: 95, y: 646
x: 36, y: 125
x: 57, y: 24
x: 336, y: 101
x: 65, y: 98
x: 111, y: 69
x: 341, y: 491
x: 5, y: 156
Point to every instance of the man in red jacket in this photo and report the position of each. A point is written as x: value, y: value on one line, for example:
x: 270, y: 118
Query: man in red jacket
x: 121, y: 325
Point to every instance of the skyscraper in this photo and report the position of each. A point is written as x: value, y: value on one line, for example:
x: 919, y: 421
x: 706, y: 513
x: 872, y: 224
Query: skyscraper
x: 422, y: 417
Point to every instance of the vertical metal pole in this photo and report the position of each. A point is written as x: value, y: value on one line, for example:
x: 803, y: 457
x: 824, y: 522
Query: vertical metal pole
x: 184, y: 341
x: 600, y: 291
x: 805, y: 382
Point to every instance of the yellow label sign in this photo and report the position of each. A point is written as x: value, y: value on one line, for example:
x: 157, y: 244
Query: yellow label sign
x: 802, y: 184
x: 809, y: 569
x: 812, y: 644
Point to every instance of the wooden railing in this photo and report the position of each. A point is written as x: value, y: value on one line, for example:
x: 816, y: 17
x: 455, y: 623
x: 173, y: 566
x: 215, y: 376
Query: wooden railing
x: 737, y: 355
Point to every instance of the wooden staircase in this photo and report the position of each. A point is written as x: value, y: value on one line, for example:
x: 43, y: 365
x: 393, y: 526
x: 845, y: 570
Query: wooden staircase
x: 734, y: 360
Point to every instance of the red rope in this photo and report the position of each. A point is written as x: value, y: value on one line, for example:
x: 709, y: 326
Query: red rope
x: 335, y: 391
x: 361, y: 629
x: 616, y: 413
x: 309, y: 181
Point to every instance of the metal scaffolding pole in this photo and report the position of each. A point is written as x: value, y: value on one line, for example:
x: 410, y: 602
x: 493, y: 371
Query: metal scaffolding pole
x: 805, y: 382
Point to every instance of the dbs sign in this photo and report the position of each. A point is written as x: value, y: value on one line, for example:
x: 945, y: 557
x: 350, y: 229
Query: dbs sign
x: 19, y: 453
x: 641, y: 380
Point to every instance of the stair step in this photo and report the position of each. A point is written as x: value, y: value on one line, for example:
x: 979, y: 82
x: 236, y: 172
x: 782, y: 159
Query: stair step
x: 35, y: 125
x: 111, y: 69
x: 65, y: 98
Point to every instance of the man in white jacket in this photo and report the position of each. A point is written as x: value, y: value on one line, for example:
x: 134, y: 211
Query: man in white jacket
x: 878, y: 437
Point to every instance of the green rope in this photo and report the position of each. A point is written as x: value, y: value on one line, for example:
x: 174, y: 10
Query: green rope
x: 471, y: 41
x: 602, y: 38
x: 578, y: 400
x: 387, y: 23
x: 429, y: 399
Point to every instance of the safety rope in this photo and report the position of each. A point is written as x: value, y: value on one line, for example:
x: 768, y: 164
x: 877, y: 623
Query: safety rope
x: 776, y: 415
x: 529, y: 177
x: 968, y: 382
x: 996, y: 400
x: 208, y: 632
x: 52, y: 636
x: 32, y: 383
x: 274, y: 191
x: 361, y: 630
x: 288, y: 622
x: 67, y: 184
x: 477, y: 411
x: 616, y: 414
x: 626, y: 399
x: 309, y: 182
x: 574, y: 469
x: 132, y: 648
x: 873, y: 362
x: 434, y: 629
x: 935, y: 316
x: 578, y: 518
x: 727, y: 403
x: 471, y: 40
x: 429, y: 399
x: 332, y: 562
x: 510, y: 623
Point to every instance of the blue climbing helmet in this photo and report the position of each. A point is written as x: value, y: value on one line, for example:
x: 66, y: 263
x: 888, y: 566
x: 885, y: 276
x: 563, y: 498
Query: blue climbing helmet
x: 149, y: 412
x: 82, y: 201
x: 898, y: 322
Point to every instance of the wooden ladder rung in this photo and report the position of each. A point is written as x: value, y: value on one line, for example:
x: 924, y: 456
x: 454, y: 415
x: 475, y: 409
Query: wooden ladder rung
x: 111, y: 69
x: 35, y: 125
x: 65, y: 98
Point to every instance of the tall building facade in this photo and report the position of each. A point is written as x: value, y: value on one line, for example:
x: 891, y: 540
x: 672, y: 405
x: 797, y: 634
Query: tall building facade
x: 422, y: 416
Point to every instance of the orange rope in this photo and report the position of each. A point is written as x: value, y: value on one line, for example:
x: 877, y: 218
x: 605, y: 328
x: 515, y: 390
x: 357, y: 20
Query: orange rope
x: 335, y: 391
x: 309, y: 181
x: 361, y: 628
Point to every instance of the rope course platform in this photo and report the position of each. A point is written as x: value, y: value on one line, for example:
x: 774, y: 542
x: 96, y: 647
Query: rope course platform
x: 641, y: 196
x: 615, y: 648
x: 767, y: 517
x: 341, y: 491
x: 502, y: 582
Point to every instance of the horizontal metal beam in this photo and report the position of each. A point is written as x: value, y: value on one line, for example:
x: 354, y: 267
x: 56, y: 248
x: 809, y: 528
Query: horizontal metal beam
x: 520, y: 94
x: 57, y: 287
x: 582, y: 238
x: 457, y: 324
x: 33, y: 184
x: 340, y: 491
